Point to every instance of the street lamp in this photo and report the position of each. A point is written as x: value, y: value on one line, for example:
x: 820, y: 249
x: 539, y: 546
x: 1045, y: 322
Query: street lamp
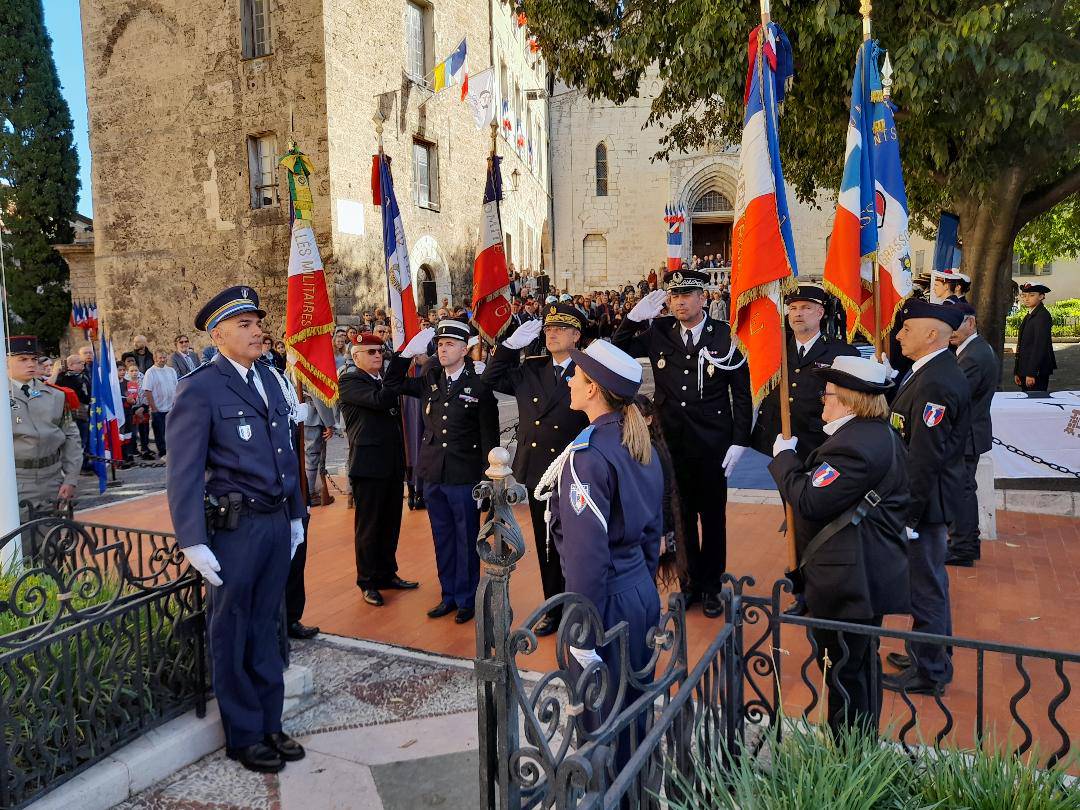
x: 515, y: 179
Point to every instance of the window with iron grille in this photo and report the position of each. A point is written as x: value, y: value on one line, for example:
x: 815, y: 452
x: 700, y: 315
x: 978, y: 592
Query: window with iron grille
x: 426, y: 174
x: 601, y: 170
x: 262, y: 170
x: 255, y: 28
x: 712, y: 201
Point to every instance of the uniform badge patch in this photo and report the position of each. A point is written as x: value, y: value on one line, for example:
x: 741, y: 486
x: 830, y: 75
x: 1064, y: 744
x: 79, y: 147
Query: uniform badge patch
x: 897, y: 421
x: 579, y: 497
x: 824, y: 475
x: 933, y: 414
x: 245, y: 431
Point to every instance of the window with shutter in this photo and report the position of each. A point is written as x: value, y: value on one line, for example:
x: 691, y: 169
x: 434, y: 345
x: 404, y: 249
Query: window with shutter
x: 426, y: 174
x: 255, y: 28
x: 601, y: 170
x: 262, y: 170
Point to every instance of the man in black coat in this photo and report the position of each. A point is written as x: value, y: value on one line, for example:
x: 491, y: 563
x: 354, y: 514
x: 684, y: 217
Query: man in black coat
x: 980, y: 365
x: 807, y: 349
x: 932, y: 413
x: 703, y: 398
x: 372, y: 414
x: 545, y: 422
x: 1035, y: 360
x: 854, y: 570
x: 461, y: 424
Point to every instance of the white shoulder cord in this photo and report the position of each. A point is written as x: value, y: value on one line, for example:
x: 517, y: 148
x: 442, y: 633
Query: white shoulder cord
x: 287, y: 391
x: 724, y: 363
x: 549, y: 482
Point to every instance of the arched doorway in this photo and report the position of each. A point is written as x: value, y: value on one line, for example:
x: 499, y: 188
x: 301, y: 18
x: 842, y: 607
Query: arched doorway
x: 711, y: 218
x: 429, y: 289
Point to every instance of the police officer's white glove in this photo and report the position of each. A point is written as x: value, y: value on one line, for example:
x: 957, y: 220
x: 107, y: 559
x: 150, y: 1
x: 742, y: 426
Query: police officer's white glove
x: 296, y: 530
x: 781, y: 444
x: 648, y: 307
x: 419, y: 343
x: 911, y: 533
x: 731, y: 458
x: 524, y: 335
x: 890, y: 372
x: 202, y: 559
x: 585, y: 657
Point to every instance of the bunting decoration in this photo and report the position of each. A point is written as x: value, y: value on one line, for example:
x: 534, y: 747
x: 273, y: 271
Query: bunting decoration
x: 84, y: 315
x: 309, y: 319
x: 763, y: 250
x: 491, y: 280
x: 674, y: 219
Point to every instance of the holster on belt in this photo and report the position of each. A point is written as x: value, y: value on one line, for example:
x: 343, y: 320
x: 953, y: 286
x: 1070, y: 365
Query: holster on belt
x: 222, y: 511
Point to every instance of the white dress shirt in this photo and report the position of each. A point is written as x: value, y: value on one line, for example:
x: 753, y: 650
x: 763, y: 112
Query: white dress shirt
x: 243, y: 372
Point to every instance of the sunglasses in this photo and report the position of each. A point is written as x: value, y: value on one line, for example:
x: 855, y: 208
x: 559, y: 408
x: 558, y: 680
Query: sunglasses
x: 373, y: 351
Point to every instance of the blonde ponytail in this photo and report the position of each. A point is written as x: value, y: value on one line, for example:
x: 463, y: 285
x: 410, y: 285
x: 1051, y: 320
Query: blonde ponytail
x: 635, y: 434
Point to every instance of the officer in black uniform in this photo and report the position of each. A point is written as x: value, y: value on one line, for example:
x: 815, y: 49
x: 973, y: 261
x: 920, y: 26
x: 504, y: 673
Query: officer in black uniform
x: 1035, y: 360
x: 807, y: 349
x: 855, y: 570
x: 703, y: 397
x: 545, y: 421
x: 461, y: 424
x: 980, y: 365
x: 372, y: 413
x: 932, y: 413
x: 237, y: 510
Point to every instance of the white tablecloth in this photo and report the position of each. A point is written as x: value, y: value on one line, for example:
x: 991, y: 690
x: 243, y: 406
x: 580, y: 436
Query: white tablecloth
x: 1047, y: 428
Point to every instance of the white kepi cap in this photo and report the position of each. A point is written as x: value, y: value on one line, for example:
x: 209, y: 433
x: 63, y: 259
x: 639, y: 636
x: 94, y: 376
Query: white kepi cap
x: 610, y: 367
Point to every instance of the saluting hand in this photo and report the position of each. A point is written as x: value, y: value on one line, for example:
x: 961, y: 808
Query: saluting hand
x: 648, y: 307
x: 524, y: 335
x: 419, y: 343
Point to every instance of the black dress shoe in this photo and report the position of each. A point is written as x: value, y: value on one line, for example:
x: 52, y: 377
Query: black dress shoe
x: 912, y: 682
x: 711, y: 605
x: 440, y: 610
x: 258, y: 757
x: 546, y: 626
x: 899, y: 660
x: 960, y: 562
x: 287, y: 748
x: 420, y: 502
x: 399, y: 584
x: 412, y: 501
x: 302, y: 631
x: 373, y: 597
x: 464, y: 615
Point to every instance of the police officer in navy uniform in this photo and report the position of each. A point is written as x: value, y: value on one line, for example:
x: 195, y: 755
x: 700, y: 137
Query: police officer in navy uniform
x: 980, y: 365
x: 703, y: 397
x: 808, y: 349
x: 1035, y: 360
x: 854, y: 570
x: 546, y: 423
x: 237, y: 511
x: 461, y: 423
x: 932, y: 413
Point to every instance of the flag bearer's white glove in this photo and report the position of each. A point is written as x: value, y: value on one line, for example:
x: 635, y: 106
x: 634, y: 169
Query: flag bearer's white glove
x: 890, y: 372
x: 202, y: 559
x: 296, y: 530
x: 781, y: 444
x: 419, y: 343
x: 731, y: 458
x: 524, y: 335
x: 648, y: 307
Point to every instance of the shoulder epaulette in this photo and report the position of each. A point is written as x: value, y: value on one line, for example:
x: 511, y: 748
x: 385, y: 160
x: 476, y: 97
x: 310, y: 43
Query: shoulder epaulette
x: 195, y: 370
x: 582, y: 440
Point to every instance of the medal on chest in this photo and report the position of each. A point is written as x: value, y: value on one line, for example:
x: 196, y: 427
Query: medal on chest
x: 710, y: 370
x: 661, y: 362
x: 244, y: 431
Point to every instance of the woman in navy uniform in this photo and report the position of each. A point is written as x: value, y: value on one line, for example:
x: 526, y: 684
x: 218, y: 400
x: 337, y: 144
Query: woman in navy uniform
x: 546, y: 422
x: 854, y: 571
x: 606, y: 510
x: 231, y: 447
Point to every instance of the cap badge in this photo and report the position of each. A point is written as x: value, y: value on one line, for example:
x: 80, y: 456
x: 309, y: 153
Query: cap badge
x: 676, y: 278
x: 553, y: 310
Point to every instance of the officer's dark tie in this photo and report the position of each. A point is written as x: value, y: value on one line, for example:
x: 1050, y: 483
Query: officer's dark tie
x: 251, y: 383
x: 560, y: 374
x: 689, y: 341
x: 905, y: 379
x: 26, y: 390
x: 802, y: 352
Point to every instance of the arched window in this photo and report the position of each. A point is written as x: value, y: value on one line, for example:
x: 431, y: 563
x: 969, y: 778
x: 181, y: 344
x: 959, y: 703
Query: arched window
x: 601, y: 169
x: 712, y: 201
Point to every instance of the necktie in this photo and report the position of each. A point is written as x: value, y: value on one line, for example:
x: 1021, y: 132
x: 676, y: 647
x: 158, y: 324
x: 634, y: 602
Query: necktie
x: 251, y: 382
x: 802, y: 352
x: 560, y: 373
x: 26, y: 390
x: 689, y: 341
x: 905, y: 379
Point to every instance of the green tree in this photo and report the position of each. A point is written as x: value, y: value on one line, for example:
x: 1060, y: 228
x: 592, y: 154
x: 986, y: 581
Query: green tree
x: 38, y: 173
x: 988, y: 97
x: 1054, y: 235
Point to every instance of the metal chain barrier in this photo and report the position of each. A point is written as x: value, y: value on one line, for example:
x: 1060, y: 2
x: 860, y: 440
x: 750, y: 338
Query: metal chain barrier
x: 1036, y: 459
x: 120, y: 463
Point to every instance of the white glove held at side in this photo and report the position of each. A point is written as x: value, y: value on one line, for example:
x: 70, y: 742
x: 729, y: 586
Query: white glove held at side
x: 202, y: 559
x: 296, y: 530
x: 890, y: 372
x: 524, y: 335
x: 911, y: 533
x: 781, y: 444
x: 585, y: 657
x: 648, y: 307
x: 731, y: 458
x: 419, y: 343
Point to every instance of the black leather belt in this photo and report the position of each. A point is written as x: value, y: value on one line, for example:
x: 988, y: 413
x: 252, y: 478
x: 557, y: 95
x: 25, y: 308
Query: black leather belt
x: 38, y: 463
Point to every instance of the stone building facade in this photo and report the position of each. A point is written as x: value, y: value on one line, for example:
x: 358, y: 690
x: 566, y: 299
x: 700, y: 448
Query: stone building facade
x: 192, y: 103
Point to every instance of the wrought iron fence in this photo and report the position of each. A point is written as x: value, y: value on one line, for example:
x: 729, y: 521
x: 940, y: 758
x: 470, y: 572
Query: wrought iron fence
x: 102, y: 638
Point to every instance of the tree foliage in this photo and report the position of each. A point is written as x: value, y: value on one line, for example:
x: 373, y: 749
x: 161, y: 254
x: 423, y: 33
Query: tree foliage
x: 38, y: 172
x: 1054, y: 235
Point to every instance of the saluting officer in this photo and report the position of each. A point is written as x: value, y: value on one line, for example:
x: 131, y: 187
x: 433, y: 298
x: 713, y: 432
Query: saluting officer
x: 546, y: 423
x: 48, y: 450
x: 237, y: 510
x: 808, y: 349
x: 1035, y: 360
x: 703, y: 397
x: 461, y: 423
x: 980, y: 365
x: 932, y: 413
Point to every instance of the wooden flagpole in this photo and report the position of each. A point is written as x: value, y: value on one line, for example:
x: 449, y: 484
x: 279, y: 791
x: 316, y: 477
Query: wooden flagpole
x: 785, y: 387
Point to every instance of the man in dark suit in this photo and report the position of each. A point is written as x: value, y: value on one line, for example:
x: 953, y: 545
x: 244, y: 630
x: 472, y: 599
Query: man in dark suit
x: 183, y: 360
x: 703, y: 397
x: 546, y: 424
x: 232, y: 465
x: 807, y: 350
x: 1035, y: 360
x: 372, y: 416
x: 461, y: 424
x: 932, y: 413
x: 980, y: 365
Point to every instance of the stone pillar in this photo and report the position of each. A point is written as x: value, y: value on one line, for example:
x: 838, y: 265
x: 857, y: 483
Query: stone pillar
x: 984, y: 479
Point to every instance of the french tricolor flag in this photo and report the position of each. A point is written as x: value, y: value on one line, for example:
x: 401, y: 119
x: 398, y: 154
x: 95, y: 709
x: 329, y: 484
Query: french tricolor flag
x: 491, y: 280
x: 763, y: 250
x: 404, y: 321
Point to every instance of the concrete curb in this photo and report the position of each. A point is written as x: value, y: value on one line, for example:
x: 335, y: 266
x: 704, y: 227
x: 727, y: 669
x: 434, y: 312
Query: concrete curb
x: 157, y: 755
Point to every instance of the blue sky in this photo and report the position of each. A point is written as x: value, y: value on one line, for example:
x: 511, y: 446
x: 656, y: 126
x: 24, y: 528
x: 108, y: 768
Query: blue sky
x: 62, y: 20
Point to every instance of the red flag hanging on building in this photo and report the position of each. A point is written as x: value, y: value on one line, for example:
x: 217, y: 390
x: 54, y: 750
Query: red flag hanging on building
x: 491, y: 281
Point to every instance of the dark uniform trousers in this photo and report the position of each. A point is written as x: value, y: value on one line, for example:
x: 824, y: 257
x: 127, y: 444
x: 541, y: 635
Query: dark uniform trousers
x: 854, y: 675
x: 980, y: 366
x: 700, y: 424
x: 930, y: 605
x: 376, y: 524
x: 455, y: 522
x: 295, y: 592
x: 963, y: 538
